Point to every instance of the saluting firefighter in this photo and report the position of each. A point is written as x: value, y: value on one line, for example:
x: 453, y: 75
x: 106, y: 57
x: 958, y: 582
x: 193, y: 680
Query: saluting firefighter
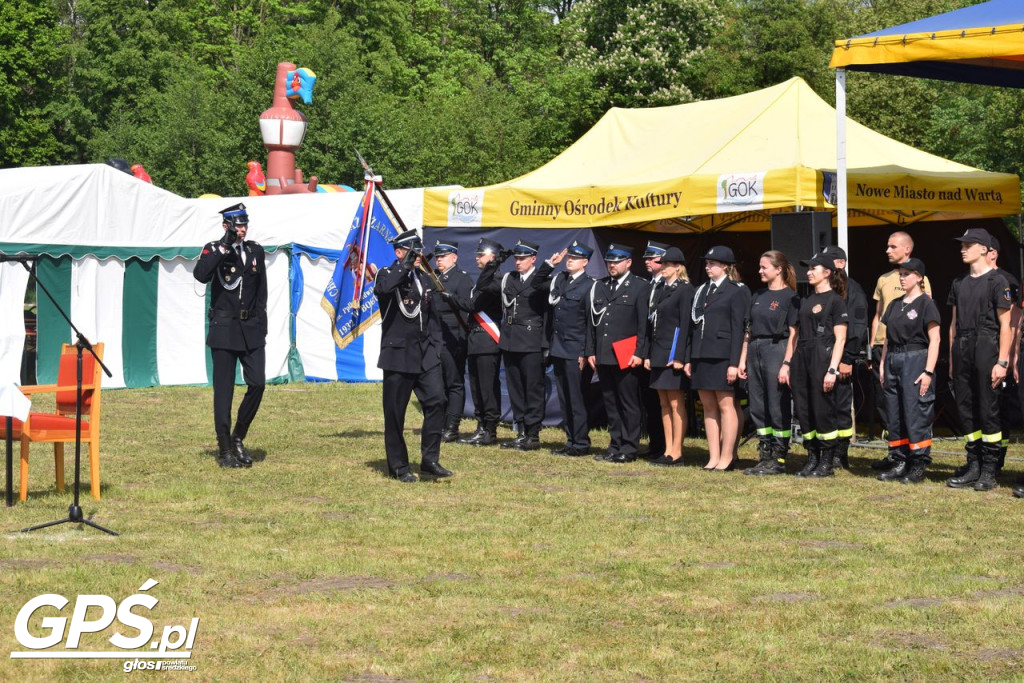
x: 979, y: 353
x: 821, y: 336
x: 668, y: 332
x: 653, y: 263
x: 856, y: 337
x: 483, y: 304
x: 410, y: 356
x: 616, y: 347
x: 569, y: 299
x: 524, y: 300
x: 767, y: 356
x: 236, y: 270
x: 909, y: 355
x: 454, y: 331
x: 719, y: 316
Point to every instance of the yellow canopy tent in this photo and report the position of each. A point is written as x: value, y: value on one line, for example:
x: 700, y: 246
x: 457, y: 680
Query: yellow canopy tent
x: 725, y: 164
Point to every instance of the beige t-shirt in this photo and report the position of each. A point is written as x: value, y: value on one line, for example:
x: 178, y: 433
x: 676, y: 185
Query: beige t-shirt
x: 888, y: 290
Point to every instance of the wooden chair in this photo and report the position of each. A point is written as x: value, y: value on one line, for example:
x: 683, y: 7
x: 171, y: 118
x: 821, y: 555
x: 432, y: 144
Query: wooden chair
x: 58, y: 427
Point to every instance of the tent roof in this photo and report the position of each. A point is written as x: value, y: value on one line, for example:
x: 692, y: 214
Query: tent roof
x: 979, y: 44
x: 765, y: 150
x: 96, y: 209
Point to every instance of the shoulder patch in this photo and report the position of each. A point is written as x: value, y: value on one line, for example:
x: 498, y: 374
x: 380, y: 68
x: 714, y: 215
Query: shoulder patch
x: 1007, y: 295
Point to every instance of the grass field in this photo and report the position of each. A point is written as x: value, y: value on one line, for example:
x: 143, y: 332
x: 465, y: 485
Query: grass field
x: 314, y: 566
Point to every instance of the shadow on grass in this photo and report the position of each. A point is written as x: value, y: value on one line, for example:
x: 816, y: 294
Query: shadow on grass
x: 359, y: 433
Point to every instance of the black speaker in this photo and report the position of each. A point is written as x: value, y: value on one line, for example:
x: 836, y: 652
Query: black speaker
x: 800, y: 235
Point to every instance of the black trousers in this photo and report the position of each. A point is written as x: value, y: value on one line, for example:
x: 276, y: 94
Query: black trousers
x: 621, y: 392
x: 909, y: 415
x: 571, y: 382
x: 844, y: 407
x: 976, y: 401
x: 652, y: 415
x: 524, y: 378
x: 816, y: 410
x: 485, y: 387
x: 429, y: 389
x: 453, y: 370
x: 771, y: 407
x: 876, y: 387
x: 254, y: 363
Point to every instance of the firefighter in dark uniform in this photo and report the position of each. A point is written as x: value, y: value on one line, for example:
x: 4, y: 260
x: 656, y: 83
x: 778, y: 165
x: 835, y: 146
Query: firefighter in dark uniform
x: 236, y: 270
x: 454, y: 332
x: 524, y: 301
x: 909, y: 355
x: 766, y: 360
x: 653, y: 254
x: 568, y: 298
x: 483, y: 305
x: 410, y: 356
x: 1011, y: 384
x: 618, y: 318
x: 980, y: 356
x: 821, y: 336
x: 856, y: 338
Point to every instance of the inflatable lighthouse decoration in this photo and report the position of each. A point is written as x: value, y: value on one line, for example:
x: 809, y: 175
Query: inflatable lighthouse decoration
x: 283, y: 127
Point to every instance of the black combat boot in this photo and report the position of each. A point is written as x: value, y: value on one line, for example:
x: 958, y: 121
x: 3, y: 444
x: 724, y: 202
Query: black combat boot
x: 776, y: 463
x: 825, y: 455
x: 450, y: 432
x: 238, y: 448
x: 1002, y: 457
x: 989, y: 462
x: 764, y: 456
x: 474, y: 438
x: 1018, y: 488
x: 520, y: 437
x: 971, y: 474
x: 226, y: 453
x: 841, y: 455
x: 813, y: 452
x: 490, y: 433
x: 883, y: 464
x: 898, y: 471
x: 916, y: 468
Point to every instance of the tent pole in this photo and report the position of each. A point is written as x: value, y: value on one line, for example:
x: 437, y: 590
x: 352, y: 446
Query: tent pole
x: 841, y: 217
x: 1020, y: 246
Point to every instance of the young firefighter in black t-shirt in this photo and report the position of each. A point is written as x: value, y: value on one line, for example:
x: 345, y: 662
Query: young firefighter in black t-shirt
x: 907, y: 370
x: 765, y: 361
x: 821, y: 336
x: 1007, y: 406
x: 980, y: 348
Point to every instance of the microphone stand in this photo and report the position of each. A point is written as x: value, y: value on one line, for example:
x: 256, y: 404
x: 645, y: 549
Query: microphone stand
x: 74, y: 510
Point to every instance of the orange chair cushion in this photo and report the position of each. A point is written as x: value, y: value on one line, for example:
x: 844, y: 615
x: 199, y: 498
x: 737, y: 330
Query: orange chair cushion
x: 67, y: 376
x: 50, y: 422
x: 15, y: 432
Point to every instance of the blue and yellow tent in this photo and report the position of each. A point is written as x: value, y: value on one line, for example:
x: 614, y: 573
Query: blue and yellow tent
x: 981, y: 44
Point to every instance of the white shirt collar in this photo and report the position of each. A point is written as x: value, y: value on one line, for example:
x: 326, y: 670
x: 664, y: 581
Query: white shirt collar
x: 718, y: 282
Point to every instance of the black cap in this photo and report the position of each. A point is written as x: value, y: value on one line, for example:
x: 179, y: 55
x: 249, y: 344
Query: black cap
x: 914, y: 264
x: 488, y: 246
x: 655, y: 250
x: 618, y: 252
x: 579, y: 250
x: 524, y: 248
x: 820, y: 260
x: 995, y: 243
x: 720, y: 254
x: 976, y: 236
x: 236, y: 215
x: 442, y: 247
x: 674, y: 255
x: 834, y: 252
x: 410, y: 239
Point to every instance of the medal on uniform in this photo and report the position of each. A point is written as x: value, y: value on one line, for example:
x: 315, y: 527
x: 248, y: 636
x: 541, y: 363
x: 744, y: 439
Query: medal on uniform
x: 232, y: 269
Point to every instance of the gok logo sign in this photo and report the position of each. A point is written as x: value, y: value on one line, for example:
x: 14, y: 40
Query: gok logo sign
x: 465, y: 208
x: 174, y: 644
x: 741, y: 191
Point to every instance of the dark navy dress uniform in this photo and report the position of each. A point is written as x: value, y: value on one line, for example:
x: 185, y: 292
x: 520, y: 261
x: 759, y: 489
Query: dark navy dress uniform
x: 668, y: 330
x: 909, y: 415
x: 649, y: 396
x: 454, y: 335
x: 772, y: 313
x: 569, y: 298
x: 237, y: 331
x: 410, y: 356
x: 618, y: 311
x: 523, y: 341
x: 716, y: 340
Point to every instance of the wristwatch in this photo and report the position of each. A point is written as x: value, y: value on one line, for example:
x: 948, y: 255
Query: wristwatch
x: 929, y: 373
x: 786, y: 362
x: 831, y: 371
x: 1003, y: 363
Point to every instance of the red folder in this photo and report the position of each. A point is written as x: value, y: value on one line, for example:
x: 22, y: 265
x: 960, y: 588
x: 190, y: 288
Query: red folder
x: 624, y: 350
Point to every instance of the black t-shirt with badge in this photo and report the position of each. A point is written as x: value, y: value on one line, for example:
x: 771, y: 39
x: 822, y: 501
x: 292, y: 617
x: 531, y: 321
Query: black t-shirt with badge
x: 773, y: 312
x: 977, y: 300
x: 908, y: 323
x: 819, y: 314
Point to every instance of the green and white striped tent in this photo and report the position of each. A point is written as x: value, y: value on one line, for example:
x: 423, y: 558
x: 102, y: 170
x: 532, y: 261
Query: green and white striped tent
x: 118, y: 254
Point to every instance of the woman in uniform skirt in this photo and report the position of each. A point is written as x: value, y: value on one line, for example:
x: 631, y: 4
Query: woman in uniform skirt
x: 821, y: 336
x: 908, y: 367
x: 719, y: 315
x: 767, y: 352
x: 668, y: 330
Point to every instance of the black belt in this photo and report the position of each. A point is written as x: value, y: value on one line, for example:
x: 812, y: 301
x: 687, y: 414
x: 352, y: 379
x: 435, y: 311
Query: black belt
x: 243, y: 314
x: 897, y: 348
x: 772, y: 338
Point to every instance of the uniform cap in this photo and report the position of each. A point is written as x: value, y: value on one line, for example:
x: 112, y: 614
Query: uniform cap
x: 524, y: 248
x: 976, y: 236
x: 488, y: 246
x: 914, y: 264
x: 618, y: 252
x: 720, y: 254
x: 674, y: 255
x: 236, y: 215
x: 820, y: 260
x: 579, y: 250
x: 442, y: 247
x: 835, y: 252
x: 655, y: 250
x: 410, y: 239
